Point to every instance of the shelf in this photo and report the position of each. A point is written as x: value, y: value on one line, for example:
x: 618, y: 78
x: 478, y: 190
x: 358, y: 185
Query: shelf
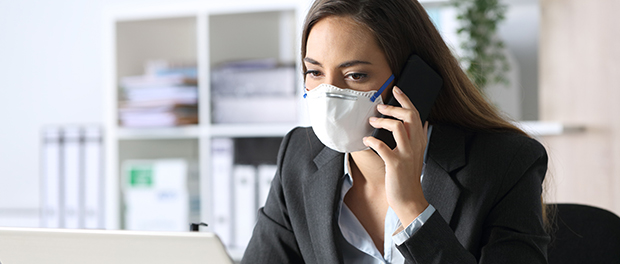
x: 245, y: 130
x: 209, y: 34
x: 183, y: 132
x: 546, y: 128
x: 536, y: 128
x: 433, y: 1
x: 173, y: 10
x: 194, y: 131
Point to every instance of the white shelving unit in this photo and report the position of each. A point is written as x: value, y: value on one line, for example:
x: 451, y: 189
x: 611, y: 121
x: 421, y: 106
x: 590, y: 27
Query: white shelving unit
x: 185, y: 31
x: 209, y: 32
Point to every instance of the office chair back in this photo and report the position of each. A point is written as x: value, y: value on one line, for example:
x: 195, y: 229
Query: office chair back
x: 584, y: 234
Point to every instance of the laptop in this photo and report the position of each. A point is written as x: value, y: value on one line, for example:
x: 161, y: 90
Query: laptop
x: 69, y: 246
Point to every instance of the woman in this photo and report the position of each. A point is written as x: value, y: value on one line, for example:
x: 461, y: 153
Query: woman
x: 464, y: 188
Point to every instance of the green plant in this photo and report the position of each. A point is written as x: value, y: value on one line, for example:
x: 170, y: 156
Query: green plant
x: 483, y: 51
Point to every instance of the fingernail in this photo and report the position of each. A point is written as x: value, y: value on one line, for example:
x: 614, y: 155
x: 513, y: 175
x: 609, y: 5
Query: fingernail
x: 364, y: 141
x: 381, y: 106
x: 398, y: 90
x: 373, y: 119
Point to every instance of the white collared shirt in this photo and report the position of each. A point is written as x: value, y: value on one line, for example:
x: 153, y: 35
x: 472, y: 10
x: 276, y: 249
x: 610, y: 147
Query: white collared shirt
x: 359, y: 247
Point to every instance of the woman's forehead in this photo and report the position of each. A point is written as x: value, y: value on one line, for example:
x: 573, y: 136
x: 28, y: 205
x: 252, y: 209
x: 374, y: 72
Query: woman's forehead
x: 341, y: 36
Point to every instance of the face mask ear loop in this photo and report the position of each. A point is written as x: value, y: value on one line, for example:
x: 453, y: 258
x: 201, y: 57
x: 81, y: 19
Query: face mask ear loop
x: 305, y: 94
x: 378, y: 93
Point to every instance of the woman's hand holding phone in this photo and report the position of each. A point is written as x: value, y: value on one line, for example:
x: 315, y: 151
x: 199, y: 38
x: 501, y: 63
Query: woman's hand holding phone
x: 403, y: 164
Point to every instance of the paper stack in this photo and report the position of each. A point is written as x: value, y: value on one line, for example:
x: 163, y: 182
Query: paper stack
x: 167, y: 95
x: 255, y: 91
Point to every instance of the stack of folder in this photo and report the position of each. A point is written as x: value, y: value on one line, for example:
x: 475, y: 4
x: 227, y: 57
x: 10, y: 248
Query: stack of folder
x: 253, y: 91
x: 163, y: 97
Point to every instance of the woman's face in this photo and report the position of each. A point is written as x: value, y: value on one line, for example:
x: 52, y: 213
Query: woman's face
x: 345, y: 54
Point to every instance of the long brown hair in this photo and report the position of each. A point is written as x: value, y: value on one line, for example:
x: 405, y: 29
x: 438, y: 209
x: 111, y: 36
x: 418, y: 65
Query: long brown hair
x: 401, y: 28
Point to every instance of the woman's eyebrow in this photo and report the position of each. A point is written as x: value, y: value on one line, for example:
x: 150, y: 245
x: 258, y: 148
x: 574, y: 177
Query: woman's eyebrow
x: 352, y: 63
x: 312, y: 61
x: 342, y: 65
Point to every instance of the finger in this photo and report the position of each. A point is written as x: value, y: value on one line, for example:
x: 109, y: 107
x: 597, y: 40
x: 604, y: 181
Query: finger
x: 406, y: 115
x: 398, y: 129
x: 402, y: 99
x: 380, y: 147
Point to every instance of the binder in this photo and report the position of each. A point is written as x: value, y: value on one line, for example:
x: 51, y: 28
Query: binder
x: 92, y: 212
x: 265, y: 175
x: 222, y: 158
x: 71, y: 177
x: 245, y: 204
x: 193, y: 191
x: 72, y: 180
x: 50, y: 188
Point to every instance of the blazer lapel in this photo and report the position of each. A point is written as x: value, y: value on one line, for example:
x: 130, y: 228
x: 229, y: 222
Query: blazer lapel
x: 446, y: 153
x: 321, y: 193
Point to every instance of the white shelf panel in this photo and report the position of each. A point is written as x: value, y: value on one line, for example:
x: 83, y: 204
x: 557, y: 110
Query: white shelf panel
x: 546, y: 128
x: 434, y: 3
x: 251, y: 6
x: 535, y: 128
x: 250, y: 130
x: 193, y: 9
x: 194, y: 131
x: 182, y: 132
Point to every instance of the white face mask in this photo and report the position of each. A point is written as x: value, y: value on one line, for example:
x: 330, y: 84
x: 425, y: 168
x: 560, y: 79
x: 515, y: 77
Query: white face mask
x: 339, y: 117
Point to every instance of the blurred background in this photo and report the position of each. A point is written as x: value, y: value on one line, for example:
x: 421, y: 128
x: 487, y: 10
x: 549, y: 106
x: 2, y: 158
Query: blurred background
x: 150, y: 114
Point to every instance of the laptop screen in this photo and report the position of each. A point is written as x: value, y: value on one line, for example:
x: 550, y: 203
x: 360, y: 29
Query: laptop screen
x: 68, y: 246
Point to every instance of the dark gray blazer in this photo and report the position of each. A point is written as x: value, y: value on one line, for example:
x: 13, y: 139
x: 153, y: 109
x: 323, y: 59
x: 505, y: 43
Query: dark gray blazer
x: 486, y: 188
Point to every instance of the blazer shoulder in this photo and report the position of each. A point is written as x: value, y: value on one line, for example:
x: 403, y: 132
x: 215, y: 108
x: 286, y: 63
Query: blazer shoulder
x: 453, y: 146
x: 298, y: 150
x: 509, y: 154
x: 509, y: 144
x: 302, y: 140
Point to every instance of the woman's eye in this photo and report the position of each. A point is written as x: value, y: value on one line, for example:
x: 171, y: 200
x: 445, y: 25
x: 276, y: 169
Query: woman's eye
x: 313, y: 73
x: 357, y: 76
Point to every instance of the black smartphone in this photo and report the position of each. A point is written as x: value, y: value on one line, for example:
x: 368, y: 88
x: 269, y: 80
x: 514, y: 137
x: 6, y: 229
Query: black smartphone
x: 421, y: 84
